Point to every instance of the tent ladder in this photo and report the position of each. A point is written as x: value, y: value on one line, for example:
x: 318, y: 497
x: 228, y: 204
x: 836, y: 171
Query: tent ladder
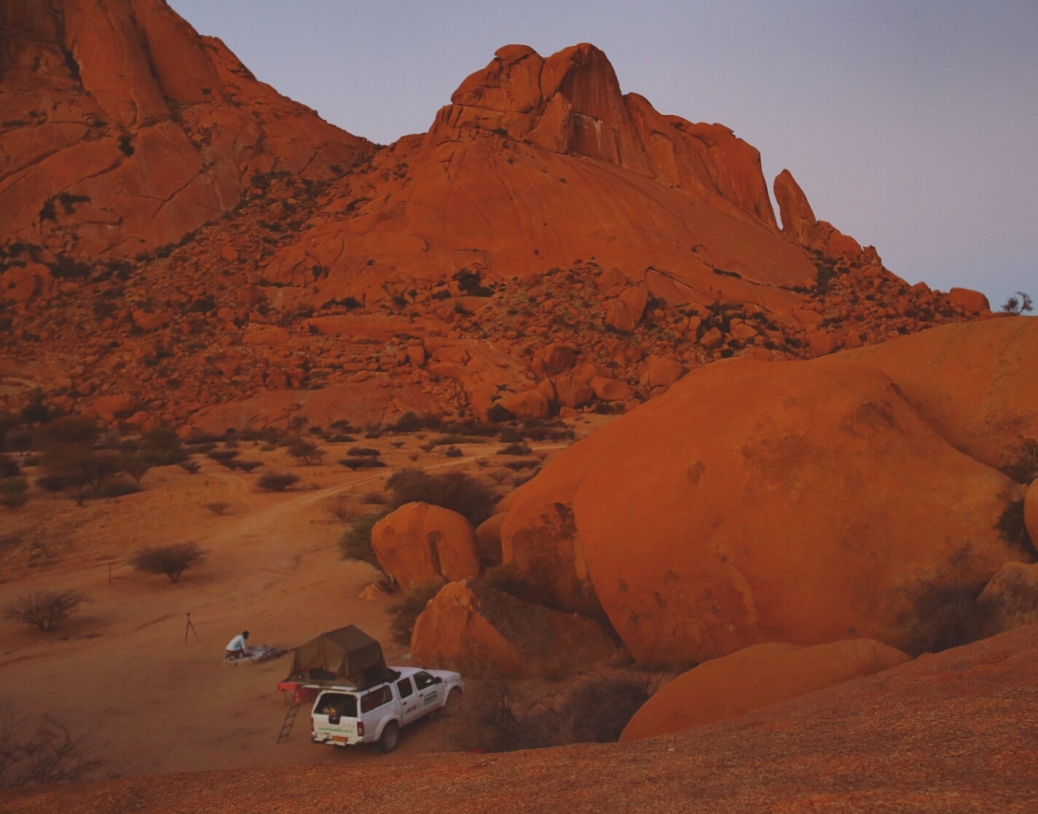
x: 286, y: 725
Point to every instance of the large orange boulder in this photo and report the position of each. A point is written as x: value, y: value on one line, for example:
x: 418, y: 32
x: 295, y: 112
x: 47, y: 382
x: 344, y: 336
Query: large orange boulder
x: 970, y: 300
x: 974, y: 382
x: 756, y: 677
x: 419, y: 543
x: 478, y: 630
x: 819, y: 505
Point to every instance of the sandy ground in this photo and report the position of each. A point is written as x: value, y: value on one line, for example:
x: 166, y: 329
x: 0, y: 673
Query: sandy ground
x: 121, y: 668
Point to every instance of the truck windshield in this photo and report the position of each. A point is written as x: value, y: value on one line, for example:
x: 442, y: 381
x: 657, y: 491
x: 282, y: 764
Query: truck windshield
x: 337, y: 704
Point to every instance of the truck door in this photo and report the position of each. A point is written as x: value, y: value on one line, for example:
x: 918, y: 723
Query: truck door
x: 410, y: 701
x: 429, y: 690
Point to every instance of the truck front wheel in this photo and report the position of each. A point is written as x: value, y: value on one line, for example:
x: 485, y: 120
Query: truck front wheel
x: 390, y: 737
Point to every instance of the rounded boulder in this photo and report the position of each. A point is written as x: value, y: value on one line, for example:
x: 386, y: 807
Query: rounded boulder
x: 756, y: 677
x: 419, y: 542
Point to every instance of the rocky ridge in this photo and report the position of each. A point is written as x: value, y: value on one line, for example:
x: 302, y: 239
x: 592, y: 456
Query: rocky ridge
x: 396, y: 279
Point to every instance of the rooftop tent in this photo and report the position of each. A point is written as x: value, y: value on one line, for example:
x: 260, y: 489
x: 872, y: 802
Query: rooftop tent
x: 347, y: 655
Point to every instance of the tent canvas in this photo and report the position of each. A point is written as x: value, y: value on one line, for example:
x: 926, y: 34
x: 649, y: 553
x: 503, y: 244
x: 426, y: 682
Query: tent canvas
x: 347, y: 655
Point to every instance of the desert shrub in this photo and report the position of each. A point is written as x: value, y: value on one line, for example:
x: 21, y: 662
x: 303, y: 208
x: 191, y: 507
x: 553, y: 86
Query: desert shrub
x: 306, y: 451
x: 171, y: 560
x: 161, y: 447
x: 948, y: 616
x: 1012, y: 529
x: 45, y: 610
x: 119, y: 488
x: 453, y: 452
x: 1023, y: 462
x: 14, y: 502
x: 277, y: 481
x: 191, y: 467
x: 403, y: 612
x: 355, y: 542
x: 515, y: 449
x: 408, y: 422
x: 8, y: 468
x: 42, y: 751
x: 517, y: 466
x: 375, y: 499
x: 219, y: 508
x: 70, y: 430
x: 341, y: 439
x: 136, y: 466
x: 342, y: 509
x: 364, y: 452
x: 450, y: 440
x: 452, y: 490
x: 13, y: 486
x: 223, y: 456
x: 244, y: 466
x: 361, y: 463
x: 505, y: 578
x: 522, y: 479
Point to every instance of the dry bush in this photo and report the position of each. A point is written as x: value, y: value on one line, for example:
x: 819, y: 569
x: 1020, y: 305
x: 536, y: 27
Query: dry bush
x: 946, y: 614
x: 515, y: 449
x: 191, y: 467
x: 355, y: 542
x: 363, y: 452
x: 244, y: 466
x: 524, y: 463
x: 456, y: 491
x: 9, y: 468
x: 41, y: 752
x: 1023, y: 462
x: 375, y: 499
x: 218, y: 508
x: 343, y: 510
x: 404, y: 611
x: 453, y: 452
x: 45, y: 610
x: 171, y: 560
x: 362, y: 463
x: 224, y: 456
x: 306, y: 451
x: 277, y: 481
x: 14, y: 502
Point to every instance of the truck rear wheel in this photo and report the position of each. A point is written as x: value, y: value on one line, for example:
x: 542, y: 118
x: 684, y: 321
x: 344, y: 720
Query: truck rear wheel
x: 453, y: 706
x: 390, y: 737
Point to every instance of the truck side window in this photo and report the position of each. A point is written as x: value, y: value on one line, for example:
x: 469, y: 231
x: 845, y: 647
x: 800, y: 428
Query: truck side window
x: 423, y: 680
x: 404, y: 685
x: 375, y: 699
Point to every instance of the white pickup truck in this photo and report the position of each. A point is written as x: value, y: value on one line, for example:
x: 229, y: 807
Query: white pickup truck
x: 345, y: 715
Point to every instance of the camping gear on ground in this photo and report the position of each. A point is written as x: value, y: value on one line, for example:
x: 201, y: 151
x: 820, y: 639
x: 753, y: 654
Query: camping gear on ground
x: 345, y: 656
x: 257, y: 655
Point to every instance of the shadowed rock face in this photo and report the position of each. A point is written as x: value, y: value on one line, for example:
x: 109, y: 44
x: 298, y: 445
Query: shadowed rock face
x: 123, y: 129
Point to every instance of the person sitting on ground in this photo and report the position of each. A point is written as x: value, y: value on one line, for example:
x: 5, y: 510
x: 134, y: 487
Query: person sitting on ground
x: 237, y: 648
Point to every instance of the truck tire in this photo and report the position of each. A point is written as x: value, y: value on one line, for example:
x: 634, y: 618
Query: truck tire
x: 390, y: 736
x: 452, y: 708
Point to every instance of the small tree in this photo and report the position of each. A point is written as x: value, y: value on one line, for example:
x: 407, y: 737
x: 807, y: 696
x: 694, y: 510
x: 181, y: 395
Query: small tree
x: 1020, y: 304
x: 277, y: 481
x: 44, y: 610
x: 171, y: 560
x: 41, y: 752
x: 306, y: 451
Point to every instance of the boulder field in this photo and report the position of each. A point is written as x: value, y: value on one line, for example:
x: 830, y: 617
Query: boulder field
x: 797, y: 502
x: 758, y: 676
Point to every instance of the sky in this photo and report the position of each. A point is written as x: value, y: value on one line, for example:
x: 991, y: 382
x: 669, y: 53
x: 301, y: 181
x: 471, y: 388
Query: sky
x: 911, y: 125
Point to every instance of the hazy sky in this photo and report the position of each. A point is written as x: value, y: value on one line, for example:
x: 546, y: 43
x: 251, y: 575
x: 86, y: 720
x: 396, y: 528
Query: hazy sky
x: 911, y: 125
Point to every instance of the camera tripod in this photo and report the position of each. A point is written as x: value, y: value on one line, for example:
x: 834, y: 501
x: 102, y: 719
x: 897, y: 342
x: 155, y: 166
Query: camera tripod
x: 190, y: 629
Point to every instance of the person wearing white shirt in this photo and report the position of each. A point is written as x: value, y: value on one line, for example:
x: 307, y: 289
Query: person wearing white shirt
x: 237, y: 648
